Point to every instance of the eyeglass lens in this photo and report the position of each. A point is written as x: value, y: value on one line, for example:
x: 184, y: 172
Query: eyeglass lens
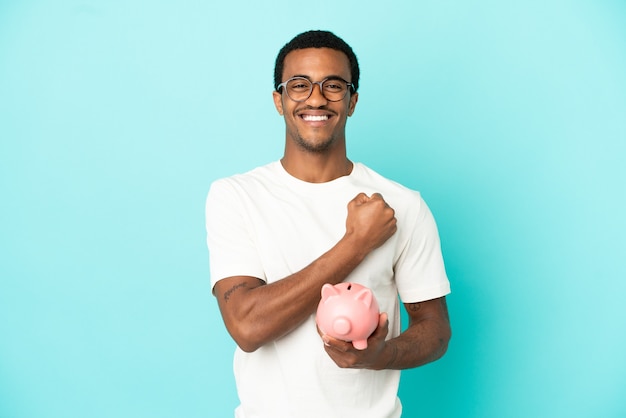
x: 299, y: 89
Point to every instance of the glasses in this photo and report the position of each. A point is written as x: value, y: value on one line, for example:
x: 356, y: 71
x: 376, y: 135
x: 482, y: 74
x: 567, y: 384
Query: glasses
x: 299, y: 89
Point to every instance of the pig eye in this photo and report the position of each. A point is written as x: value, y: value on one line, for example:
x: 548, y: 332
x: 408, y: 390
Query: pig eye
x: 349, y: 286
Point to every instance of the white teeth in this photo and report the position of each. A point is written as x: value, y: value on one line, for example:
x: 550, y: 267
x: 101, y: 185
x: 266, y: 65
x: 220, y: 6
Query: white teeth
x: 311, y: 118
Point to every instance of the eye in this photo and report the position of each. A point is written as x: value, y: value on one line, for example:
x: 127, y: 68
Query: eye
x: 334, y: 86
x: 299, y: 85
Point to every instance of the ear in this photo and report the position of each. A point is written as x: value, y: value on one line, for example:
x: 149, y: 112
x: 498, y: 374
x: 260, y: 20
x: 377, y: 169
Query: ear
x: 365, y: 296
x: 278, y: 102
x: 354, y: 97
x: 329, y: 290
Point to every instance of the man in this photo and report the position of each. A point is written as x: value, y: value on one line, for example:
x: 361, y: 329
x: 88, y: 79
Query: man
x: 278, y: 233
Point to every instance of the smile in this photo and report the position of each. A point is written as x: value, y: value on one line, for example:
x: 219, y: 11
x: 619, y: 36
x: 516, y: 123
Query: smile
x: 314, y: 118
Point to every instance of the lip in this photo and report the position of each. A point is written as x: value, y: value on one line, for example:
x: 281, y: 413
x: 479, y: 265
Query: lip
x: 315, y: 117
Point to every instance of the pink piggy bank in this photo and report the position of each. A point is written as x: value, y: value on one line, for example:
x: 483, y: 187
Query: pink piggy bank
x: 349, y: 312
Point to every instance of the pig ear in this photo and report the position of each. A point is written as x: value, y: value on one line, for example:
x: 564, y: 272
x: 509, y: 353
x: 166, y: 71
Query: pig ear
x: 329, y: 290
x: 365, y: 296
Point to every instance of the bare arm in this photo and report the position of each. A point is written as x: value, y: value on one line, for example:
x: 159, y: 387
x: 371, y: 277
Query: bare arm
x: 256, y: 313
x: 425, y: 340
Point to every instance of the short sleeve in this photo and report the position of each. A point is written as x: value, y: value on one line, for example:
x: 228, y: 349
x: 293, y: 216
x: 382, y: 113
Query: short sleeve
x: 420, y: 272
x: 232, y: 249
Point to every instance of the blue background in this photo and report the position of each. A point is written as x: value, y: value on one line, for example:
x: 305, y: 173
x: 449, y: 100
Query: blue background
x: 115, y: 116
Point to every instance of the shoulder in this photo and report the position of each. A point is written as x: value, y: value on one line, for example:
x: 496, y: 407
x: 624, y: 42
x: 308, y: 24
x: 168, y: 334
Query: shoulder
x: 238, y: 195
x: 393, y: 192
x: 247, y: 182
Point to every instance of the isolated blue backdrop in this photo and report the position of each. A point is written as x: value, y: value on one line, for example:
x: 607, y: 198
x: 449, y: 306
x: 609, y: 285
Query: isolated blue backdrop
x: 115, y: 116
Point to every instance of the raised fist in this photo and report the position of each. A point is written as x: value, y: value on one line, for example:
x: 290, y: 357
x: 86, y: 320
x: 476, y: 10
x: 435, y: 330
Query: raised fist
x: 371, y: 221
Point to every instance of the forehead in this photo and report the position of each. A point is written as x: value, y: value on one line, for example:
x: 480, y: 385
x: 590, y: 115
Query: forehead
x: 316, y: 63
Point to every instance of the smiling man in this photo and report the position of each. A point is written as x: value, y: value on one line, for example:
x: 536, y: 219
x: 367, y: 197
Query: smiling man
x: 316, y: 121
x: 278, y: 233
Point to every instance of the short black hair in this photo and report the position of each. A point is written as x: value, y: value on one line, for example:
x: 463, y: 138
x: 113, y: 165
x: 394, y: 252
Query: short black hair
x: 316, y: 39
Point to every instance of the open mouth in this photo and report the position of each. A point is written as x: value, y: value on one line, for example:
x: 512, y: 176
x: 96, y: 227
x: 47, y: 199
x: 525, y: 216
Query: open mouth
x: 314, y: 118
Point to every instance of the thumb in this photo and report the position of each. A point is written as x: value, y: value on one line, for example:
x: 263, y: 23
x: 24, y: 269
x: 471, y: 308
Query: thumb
x: 383, y: 326
x: 383, y: 319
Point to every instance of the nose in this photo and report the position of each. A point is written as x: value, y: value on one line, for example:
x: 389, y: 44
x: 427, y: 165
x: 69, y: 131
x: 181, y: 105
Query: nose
x: 317, y: 97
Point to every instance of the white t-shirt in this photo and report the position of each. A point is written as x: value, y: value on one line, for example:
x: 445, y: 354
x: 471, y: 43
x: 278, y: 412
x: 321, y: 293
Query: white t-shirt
x: 269, y: 224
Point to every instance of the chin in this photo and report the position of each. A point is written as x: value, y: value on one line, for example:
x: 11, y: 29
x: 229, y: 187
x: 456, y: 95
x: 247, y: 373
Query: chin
x: 315, y: 146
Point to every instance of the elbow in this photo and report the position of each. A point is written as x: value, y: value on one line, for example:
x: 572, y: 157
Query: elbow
x: 444, y: 340
x: 247, y: 349
x: 248, y: 346
x: 439, y: 344
x: 247, y: 338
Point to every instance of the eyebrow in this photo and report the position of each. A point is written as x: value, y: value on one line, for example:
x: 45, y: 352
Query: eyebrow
x: 330, y: 77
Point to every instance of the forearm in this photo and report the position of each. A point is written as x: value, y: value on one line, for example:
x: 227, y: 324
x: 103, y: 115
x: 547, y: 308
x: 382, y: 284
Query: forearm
x: 257, y: 315
x: 421, y: 344
x: 424, y: 341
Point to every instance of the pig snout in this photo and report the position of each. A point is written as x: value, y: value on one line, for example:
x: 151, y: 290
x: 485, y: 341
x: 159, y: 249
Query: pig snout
x: 342, y: 325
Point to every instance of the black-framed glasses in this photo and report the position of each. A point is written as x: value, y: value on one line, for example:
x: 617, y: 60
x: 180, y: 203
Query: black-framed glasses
x: 299, y: 89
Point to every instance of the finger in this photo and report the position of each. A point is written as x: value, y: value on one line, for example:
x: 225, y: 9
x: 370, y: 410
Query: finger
x: 361, y: 198
x: 335, y: 343
x: 377, y: 196
x: 319, y: 331
x: 383, y: 326
x: 383, y: 319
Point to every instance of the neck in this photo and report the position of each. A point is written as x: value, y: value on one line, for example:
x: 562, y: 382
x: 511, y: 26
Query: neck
x: 314, y: 168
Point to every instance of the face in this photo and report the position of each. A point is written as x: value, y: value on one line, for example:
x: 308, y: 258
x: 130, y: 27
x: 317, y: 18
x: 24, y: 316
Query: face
x: 316, y: 124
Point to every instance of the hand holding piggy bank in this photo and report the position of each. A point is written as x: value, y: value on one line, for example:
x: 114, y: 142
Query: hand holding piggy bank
x: 349, y: 312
